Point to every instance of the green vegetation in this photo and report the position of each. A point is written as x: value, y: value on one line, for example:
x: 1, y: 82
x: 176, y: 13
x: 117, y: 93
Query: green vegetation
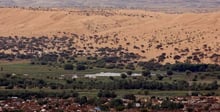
x: 68, y: 67
x: 48, y: 80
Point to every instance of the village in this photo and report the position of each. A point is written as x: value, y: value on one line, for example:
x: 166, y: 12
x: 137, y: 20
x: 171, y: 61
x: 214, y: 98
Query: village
x: 190, y: 103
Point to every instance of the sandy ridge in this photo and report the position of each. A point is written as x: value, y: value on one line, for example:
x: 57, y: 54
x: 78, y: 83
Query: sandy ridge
x: 136, y: 27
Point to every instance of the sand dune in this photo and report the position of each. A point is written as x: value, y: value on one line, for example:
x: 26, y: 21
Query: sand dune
x: 146, y: 30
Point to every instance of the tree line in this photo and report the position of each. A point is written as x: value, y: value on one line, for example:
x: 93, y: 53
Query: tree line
x: 11, y: 82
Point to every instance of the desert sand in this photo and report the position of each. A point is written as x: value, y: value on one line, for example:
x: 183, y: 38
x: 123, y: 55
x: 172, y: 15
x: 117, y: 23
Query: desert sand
x: 149, y: 34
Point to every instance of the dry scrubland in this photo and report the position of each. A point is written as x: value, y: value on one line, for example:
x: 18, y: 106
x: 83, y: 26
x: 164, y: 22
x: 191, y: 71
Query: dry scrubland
x: 193, y: 37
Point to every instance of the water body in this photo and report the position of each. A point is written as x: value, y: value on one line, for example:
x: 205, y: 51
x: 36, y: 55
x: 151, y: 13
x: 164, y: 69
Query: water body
x: 107, y: 74
x: 151, y: 4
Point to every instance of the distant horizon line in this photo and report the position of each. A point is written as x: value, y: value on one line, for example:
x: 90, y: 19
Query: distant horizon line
x: 166, y: 10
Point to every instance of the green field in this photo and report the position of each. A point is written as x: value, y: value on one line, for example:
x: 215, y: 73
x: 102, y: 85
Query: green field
x: 45, y: 71
x: 25, y: 67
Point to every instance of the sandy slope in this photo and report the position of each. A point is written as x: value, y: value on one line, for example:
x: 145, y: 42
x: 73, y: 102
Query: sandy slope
x: 136, y: 27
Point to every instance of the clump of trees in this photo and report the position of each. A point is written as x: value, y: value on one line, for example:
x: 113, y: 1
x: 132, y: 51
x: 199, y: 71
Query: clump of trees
x: 117, y: 104
x: 123, y: 76
x: 179, y: 67
x: 80, y: 67
x: 4, y: 94
x: 10, y: 82
x: 167, y: 104
x: 130, y: 97
x: 68, y: 67
x: 146, y: 73
x: 106, y: 94
x: 182, y: 67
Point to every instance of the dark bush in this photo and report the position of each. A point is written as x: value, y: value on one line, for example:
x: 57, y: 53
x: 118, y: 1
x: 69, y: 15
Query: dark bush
x: 68, y: 67
x: 80, y: 67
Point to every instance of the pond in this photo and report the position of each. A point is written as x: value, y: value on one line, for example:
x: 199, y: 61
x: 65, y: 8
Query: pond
x: 107, y: 74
